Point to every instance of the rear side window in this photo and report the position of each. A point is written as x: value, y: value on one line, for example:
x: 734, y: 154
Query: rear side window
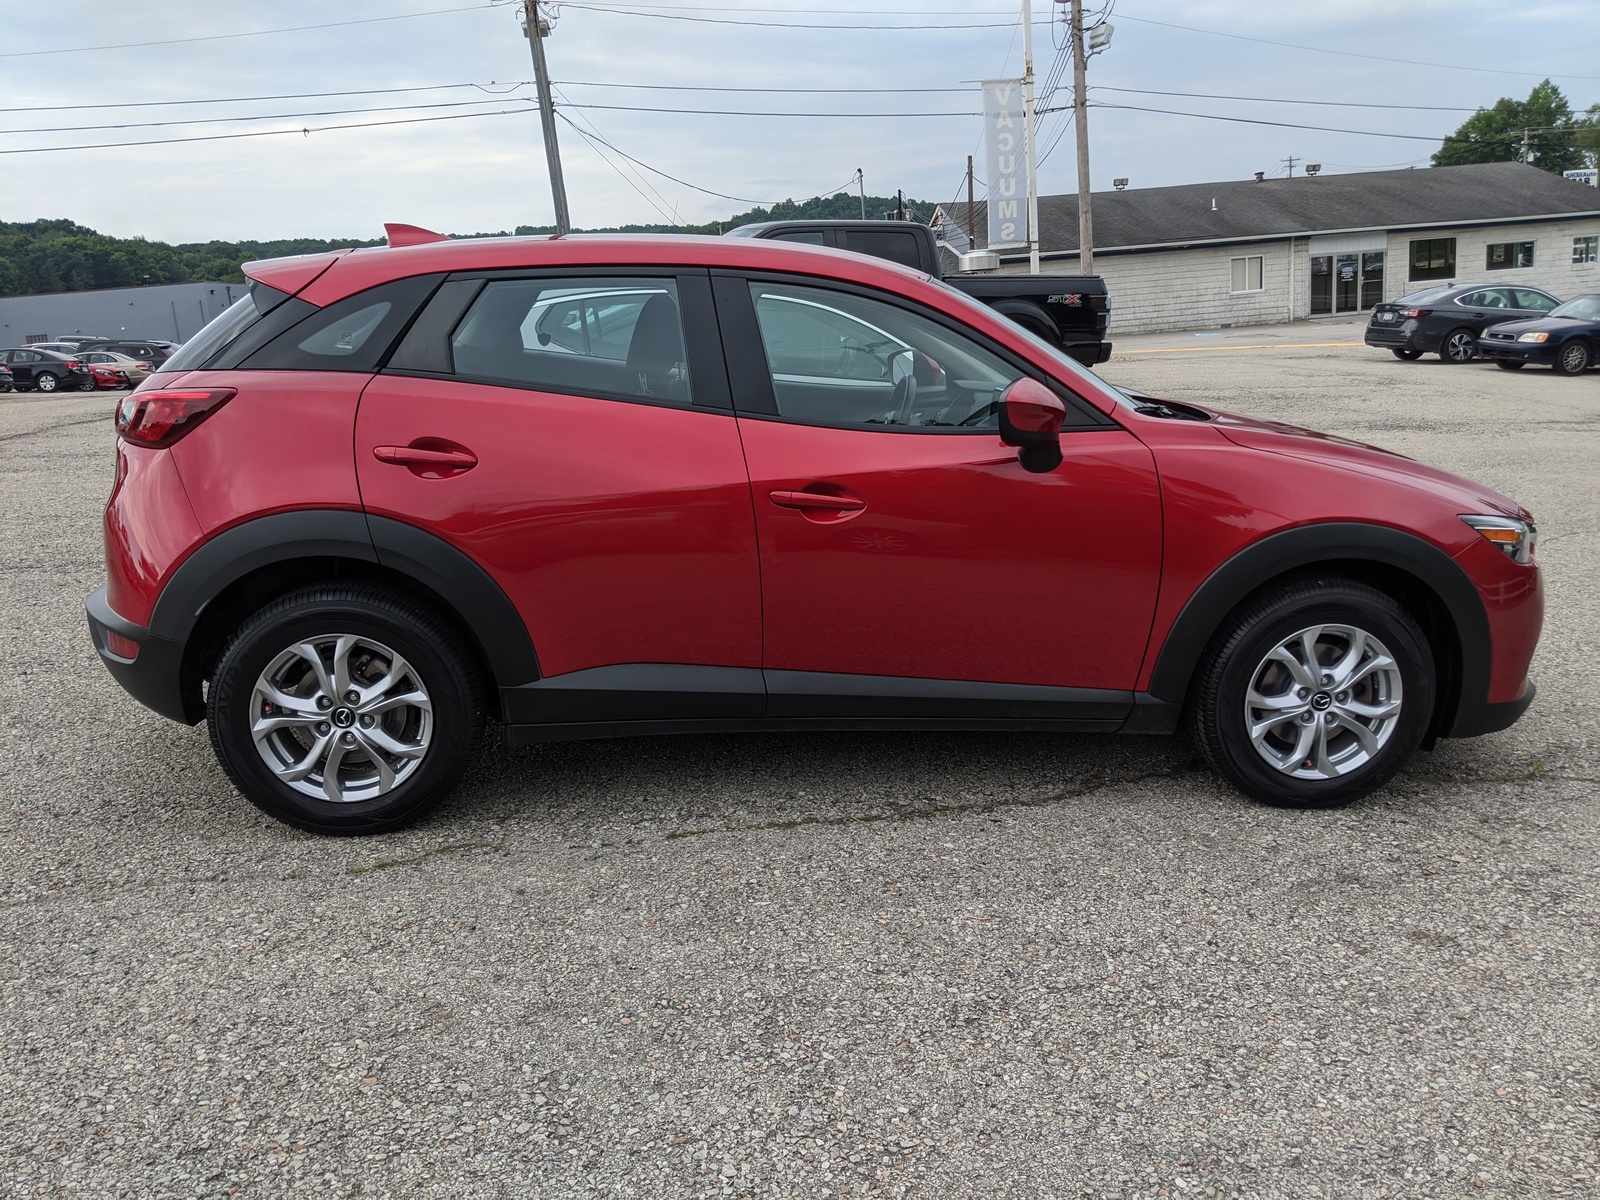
x: 353, y: 334
x: 896, y: 245
x: 224, y: 329
x: 811, y: 237
x: 603, y: 336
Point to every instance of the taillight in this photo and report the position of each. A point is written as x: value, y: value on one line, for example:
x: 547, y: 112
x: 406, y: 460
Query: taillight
x: 1413, y: 313
x: 157, y: 419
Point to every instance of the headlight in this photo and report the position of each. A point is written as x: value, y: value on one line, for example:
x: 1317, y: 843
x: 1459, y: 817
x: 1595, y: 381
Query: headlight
x: 1516, y: 538
x: 1534, y: 337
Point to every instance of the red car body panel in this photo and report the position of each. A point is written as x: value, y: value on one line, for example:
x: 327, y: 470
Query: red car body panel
x: 296, y: 424
x: 150, y: 529
x: 1514, y: 598
x: 959, y: 565
x: 621, y: 532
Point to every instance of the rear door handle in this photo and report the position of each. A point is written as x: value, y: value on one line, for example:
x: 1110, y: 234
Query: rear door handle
x: 816, y: 500
x: 415, y: 456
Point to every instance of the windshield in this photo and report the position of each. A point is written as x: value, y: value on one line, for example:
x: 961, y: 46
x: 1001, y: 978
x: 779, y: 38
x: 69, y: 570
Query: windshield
x: 1580, y: 308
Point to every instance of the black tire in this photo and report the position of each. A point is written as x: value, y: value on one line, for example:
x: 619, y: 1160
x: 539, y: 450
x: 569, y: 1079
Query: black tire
x: 1574, y: 358
x: 1405, y: 355
x: 44, y: 381
x: 1238, y: 659
x: 438, y: 662
x: 1506, y: 364
x: 89, y: 385
x: 1458, y: 346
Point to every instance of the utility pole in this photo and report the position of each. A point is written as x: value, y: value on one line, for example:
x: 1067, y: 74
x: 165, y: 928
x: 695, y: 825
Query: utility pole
x: 900, y: 204
x: 1080, y: 117
x: 1027, y: 128
x: 861, y: 182
x: 972, y: 221
x: 1290, y: 162
x: 537, y: 29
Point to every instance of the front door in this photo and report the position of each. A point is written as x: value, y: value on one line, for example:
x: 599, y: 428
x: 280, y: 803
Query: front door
x: 558, y: 430
x: 899, y: 538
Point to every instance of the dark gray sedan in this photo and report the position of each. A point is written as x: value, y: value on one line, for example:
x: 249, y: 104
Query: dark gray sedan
x: 1447, y: 320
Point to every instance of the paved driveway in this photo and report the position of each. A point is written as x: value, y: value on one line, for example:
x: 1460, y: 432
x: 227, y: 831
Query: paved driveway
x: 899, y: 965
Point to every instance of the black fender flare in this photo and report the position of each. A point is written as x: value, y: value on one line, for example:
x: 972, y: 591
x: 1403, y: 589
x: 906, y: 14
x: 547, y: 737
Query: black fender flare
x: 1026, y: 311
x: 1308, y: 546
x: 478, y: 601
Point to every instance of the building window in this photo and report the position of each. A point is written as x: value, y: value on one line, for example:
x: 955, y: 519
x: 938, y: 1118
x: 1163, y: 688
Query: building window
x: 1503, y: 256
x: 1247, y: 273
x: 1585, y: 250
x: 1433, y: 258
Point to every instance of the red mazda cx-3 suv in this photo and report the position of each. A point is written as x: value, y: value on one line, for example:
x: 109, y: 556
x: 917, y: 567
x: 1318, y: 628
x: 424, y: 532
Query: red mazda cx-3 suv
x: 592, y: 486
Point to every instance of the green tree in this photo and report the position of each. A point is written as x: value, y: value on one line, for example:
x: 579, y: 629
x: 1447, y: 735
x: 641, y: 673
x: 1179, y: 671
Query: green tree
x: 1587, y: 138
x: 1496, y: 134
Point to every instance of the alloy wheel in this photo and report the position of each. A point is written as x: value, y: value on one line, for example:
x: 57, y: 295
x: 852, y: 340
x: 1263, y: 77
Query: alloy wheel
x: 1323, y: 702
x: 341, y: 717
x: 1460, y: 346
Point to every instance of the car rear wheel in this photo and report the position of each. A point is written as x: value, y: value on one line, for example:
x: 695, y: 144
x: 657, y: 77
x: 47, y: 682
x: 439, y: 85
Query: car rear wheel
x: 345, y: 710
x: 46, y: 382
x: 1405, y: 355
x: 1315, y: 694
x: 89, y: 385
x: 1573, y: 359
x: 1458, y: 346
x: 1507, y: 365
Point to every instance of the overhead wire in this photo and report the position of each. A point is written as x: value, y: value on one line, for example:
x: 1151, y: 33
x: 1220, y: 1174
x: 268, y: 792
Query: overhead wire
x: 327, y: 112
x: 509, y: 85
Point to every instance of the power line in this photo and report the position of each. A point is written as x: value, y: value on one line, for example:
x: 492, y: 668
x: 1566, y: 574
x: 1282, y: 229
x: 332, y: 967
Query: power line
x: 1279, y: 100
x: 732, y: 112
x: 664, y: 175
x: 680, y: 16
x: 1408, y: 62
x: 227, y: 137
x: 510, y: 87
x: 220, y: 37
x: 799, y: 91
x: 329, y: 112
x: 1413, y: 137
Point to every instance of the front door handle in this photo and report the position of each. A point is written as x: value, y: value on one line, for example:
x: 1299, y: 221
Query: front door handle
x: 417, y: 456
x: 817, y: 500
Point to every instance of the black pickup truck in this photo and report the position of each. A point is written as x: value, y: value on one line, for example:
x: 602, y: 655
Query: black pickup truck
x: 1068, y: 311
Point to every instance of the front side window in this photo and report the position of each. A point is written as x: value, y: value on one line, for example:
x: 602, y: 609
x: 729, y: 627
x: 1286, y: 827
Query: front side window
x: 1504, y: 256
x: 846, y: 360
x: 604, y: 336
x: 1247, y: 273
x: 1585, y: 250
x: 1433, y: 258
x: 1537, y: 301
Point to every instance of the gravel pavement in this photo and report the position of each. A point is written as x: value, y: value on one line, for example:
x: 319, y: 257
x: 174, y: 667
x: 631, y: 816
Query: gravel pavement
x: 944, y: 966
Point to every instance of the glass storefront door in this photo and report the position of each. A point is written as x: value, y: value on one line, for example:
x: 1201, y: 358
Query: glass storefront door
x: 1343, y: 283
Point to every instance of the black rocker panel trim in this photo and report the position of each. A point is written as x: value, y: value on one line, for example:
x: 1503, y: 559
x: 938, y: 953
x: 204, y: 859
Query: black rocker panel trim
x: 522, y: 735
x: 820, y: 694
x: 637, y: 692
x: 1307, y: 547
x: 631, y: 695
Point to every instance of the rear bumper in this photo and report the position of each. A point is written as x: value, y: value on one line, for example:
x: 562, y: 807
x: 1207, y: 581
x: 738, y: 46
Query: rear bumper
x: 1393, y: 337
x: 153, y: 677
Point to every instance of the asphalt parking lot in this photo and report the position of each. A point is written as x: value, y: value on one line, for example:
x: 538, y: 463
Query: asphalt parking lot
x: 868, y: 965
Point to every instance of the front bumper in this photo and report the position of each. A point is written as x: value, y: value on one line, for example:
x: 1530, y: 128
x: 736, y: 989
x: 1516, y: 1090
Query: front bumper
x: 153, y: 677
x: 1524, y: 352
x: 1472, y: 720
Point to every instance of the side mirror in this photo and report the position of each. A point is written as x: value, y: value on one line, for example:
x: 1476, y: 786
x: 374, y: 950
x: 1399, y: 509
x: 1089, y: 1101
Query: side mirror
x: 1031, y: 416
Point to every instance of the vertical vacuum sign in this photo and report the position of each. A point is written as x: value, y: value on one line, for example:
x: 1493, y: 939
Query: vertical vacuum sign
x: 1007, y: 162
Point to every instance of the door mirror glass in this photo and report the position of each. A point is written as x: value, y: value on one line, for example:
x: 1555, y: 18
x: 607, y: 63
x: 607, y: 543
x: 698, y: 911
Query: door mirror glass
x: 1031, y: 416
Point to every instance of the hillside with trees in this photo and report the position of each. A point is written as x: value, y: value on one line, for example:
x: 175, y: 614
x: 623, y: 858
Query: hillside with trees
x: 38, y: 257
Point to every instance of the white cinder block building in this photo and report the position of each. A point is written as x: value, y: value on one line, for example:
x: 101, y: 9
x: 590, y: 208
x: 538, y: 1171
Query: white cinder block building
x: 1215, y: 255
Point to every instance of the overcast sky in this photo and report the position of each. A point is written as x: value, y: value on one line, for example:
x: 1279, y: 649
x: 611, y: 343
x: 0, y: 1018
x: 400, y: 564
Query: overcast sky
x: 487, y: 172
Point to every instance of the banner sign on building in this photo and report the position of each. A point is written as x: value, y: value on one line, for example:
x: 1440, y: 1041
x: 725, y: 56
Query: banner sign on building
x: 1007, y: 162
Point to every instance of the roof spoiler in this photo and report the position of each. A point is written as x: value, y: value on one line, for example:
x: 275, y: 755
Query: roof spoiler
x: 411, y: 235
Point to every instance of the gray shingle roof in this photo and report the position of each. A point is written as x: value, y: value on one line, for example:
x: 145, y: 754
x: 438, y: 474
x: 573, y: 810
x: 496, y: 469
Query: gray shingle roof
x: 1324, y: 204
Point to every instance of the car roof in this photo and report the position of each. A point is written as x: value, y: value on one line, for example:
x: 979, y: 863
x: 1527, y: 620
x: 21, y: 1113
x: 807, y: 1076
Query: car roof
x: 322, y: 279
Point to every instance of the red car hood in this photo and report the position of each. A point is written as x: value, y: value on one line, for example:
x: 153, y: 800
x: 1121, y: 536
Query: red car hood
x: 1274, y: 437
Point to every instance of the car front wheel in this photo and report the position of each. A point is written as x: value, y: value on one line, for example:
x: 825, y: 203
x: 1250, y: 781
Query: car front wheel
x: 1315, y: 694
x: 1573, y: 358
x: 345, y: 710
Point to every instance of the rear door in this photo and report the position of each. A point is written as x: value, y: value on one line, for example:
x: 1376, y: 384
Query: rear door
x: 572, y: 432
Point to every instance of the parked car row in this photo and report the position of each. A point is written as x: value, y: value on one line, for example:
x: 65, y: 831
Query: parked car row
x: 1511, y: 326
x: 66, y: 366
